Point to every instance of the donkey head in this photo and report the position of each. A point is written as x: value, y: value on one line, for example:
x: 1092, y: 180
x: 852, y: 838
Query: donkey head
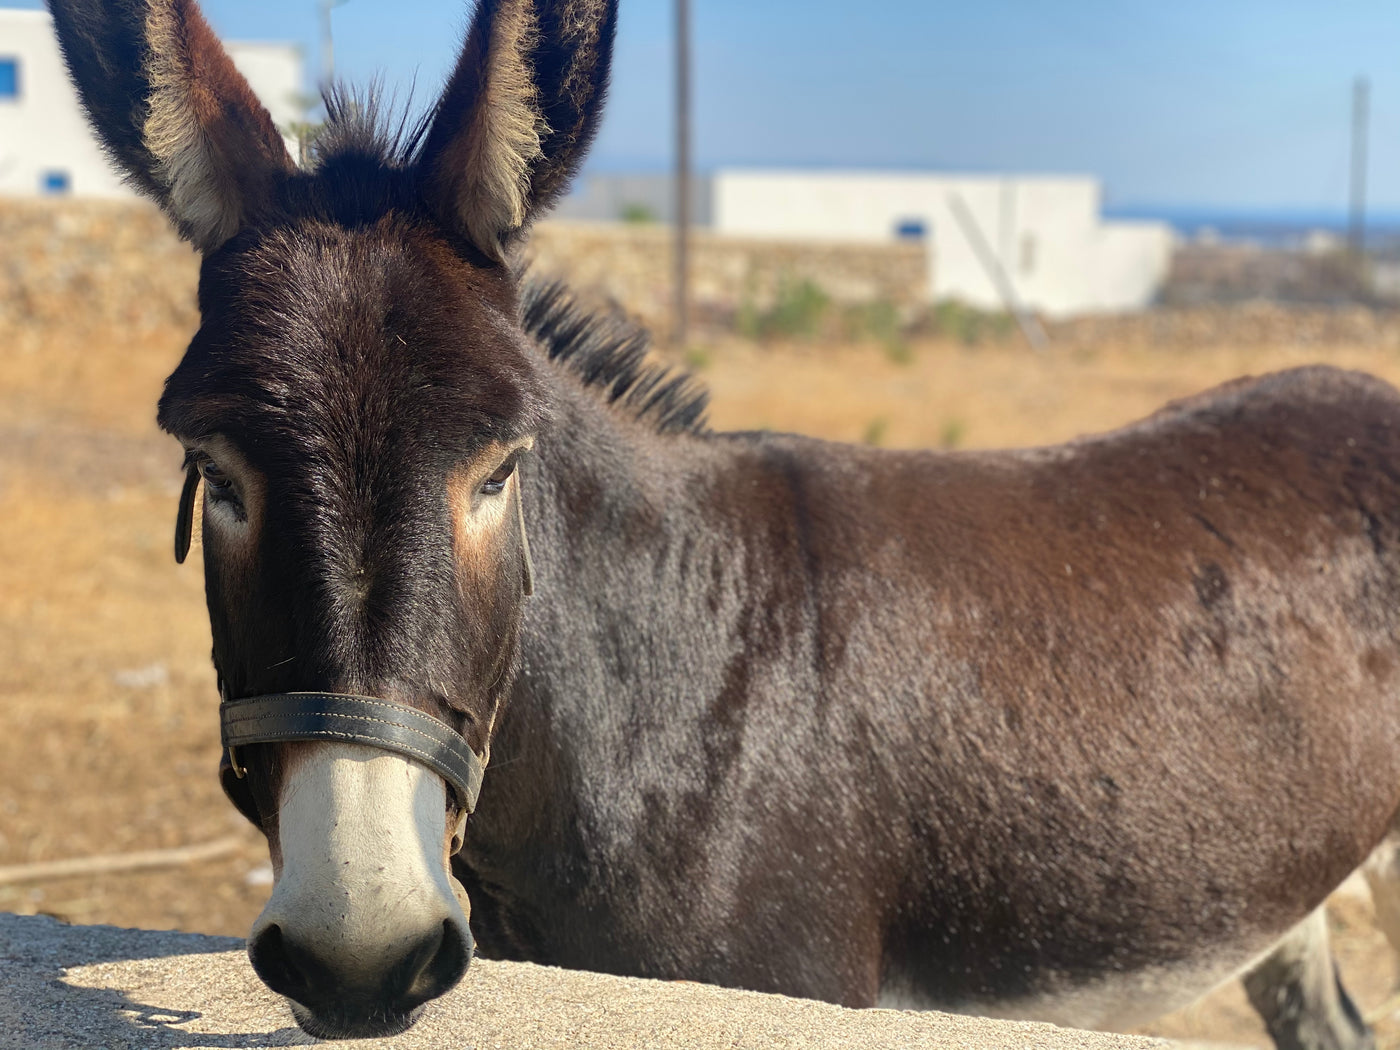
x: 356, y: 402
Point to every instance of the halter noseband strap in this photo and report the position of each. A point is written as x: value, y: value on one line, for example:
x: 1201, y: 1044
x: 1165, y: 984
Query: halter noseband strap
x: 383, y: 724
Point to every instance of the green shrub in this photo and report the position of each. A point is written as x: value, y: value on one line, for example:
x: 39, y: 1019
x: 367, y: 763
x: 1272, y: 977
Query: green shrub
x: 875, y: 430
x: 952, y: 434
x: 748, y: 322
x: 796, y: 312
x: 899, y: 352
x: 879, y: 322
x: 636, y: 214
x: 968, y: 325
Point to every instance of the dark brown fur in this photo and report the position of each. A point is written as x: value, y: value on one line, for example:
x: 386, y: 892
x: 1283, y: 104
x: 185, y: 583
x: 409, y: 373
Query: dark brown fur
x: 1012, y: 720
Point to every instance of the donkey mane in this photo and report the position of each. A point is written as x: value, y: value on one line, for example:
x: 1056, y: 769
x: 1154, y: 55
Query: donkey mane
x: 361, y: 123
x: 609, y: 353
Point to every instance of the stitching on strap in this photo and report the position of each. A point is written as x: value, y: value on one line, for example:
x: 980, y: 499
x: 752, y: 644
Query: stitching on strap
x: 241, y: 726
x: 244, y: 735
x: 272, y: 718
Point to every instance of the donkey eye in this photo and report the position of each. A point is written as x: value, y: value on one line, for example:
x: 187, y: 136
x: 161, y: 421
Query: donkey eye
x: 215, y: 480
x: 496, y: 483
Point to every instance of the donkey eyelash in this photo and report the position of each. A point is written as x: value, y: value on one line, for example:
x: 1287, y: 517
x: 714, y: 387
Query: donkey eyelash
x: 496, y: 483
x: 222, y: 484
x: 221, y: 490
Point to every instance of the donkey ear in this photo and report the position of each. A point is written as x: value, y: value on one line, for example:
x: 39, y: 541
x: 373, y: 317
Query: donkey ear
x: 172, y: 111
x: 518, y: 115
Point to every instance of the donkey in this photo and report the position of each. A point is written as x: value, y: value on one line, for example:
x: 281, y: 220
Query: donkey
x: 1072, y: 733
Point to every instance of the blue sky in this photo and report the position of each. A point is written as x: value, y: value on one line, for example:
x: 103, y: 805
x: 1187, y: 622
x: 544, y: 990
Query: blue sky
x: 1230, y: 104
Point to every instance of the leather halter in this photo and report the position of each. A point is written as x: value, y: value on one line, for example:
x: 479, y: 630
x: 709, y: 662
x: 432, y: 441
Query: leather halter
x: 372, y: 721
x: 383, y: 724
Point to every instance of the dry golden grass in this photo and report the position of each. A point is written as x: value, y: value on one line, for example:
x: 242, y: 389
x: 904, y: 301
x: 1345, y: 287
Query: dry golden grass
x: 108, y: 734
x: 987, y: 396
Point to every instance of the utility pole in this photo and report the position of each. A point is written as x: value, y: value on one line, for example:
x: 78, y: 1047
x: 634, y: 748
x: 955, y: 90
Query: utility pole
x: 328, y: 42
x: 1360, y: 119
x: 681, y: 324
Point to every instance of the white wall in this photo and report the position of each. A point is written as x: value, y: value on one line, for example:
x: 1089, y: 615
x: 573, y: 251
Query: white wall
x: 44, y: 129
x: 274, y: 72
x: 1128, y: 265
x: 1045, y: 233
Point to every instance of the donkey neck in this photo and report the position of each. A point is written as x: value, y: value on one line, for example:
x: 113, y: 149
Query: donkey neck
x: 635, y: 576
x: 652, y: 627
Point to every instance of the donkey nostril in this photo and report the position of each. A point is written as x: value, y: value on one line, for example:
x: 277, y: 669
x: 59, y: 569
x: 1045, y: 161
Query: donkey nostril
x: 276, y: 966
x: 440, y: 963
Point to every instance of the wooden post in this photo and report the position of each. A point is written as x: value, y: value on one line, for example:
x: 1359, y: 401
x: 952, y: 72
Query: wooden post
x: 681, y: 324
x: 328, y: 42
x: 1360, y: 117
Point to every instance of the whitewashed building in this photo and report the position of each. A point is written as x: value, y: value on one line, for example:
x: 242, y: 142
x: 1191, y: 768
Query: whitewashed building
x: 993, y: 241
x: 1037, y: 240
x: 46, y: 146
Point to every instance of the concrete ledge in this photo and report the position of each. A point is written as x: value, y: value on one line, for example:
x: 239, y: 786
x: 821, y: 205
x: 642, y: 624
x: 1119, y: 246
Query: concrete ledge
x: 65, y: 987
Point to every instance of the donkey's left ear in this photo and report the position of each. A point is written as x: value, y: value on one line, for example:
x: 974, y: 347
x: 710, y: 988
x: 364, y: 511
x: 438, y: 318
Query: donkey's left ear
x: 172, y: 111
x: 518, y: 115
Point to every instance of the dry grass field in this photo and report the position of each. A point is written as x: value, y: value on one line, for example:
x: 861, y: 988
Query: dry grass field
x: 108, y: 733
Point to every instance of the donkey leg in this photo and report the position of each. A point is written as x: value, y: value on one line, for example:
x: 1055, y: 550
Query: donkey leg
x: 1297, y: 992
x: 1382, y: 871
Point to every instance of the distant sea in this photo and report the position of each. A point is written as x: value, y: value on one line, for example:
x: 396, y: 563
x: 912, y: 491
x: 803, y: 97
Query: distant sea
x: 1274, y: 228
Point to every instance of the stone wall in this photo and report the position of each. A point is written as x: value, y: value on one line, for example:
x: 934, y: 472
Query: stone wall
x: 103, y: 263
x: 1255, y: 323
x: 1233, y: 273
x: 92, y: 265
x: 633, y: 266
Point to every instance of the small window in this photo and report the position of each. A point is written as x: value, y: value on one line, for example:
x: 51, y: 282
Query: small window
x: 910, y: 229
x: 55, y: 183
x: 1028, y: 253
x: 9, y: 78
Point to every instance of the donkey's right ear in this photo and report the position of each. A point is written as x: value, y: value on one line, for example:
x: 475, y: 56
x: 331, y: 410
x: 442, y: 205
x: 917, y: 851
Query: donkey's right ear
x: 172, y: 111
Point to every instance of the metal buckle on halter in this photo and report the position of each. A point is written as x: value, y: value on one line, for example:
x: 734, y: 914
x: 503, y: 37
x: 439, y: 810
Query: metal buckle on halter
x: 239, y: 771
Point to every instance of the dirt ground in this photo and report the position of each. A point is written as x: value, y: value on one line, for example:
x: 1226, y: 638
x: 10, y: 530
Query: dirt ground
x: 108, y: 734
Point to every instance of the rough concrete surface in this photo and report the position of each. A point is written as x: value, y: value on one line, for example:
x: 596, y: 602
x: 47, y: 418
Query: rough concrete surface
x: 67, y: 987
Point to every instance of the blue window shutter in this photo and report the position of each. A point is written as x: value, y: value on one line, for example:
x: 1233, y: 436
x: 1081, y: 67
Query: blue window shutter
x: 910, y: 229
x: 9, y: 78
x: 55, y: 183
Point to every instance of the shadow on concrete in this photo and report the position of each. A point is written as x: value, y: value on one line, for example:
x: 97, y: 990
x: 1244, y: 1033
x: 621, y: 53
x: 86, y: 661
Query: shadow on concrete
x: 39, y: 1008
